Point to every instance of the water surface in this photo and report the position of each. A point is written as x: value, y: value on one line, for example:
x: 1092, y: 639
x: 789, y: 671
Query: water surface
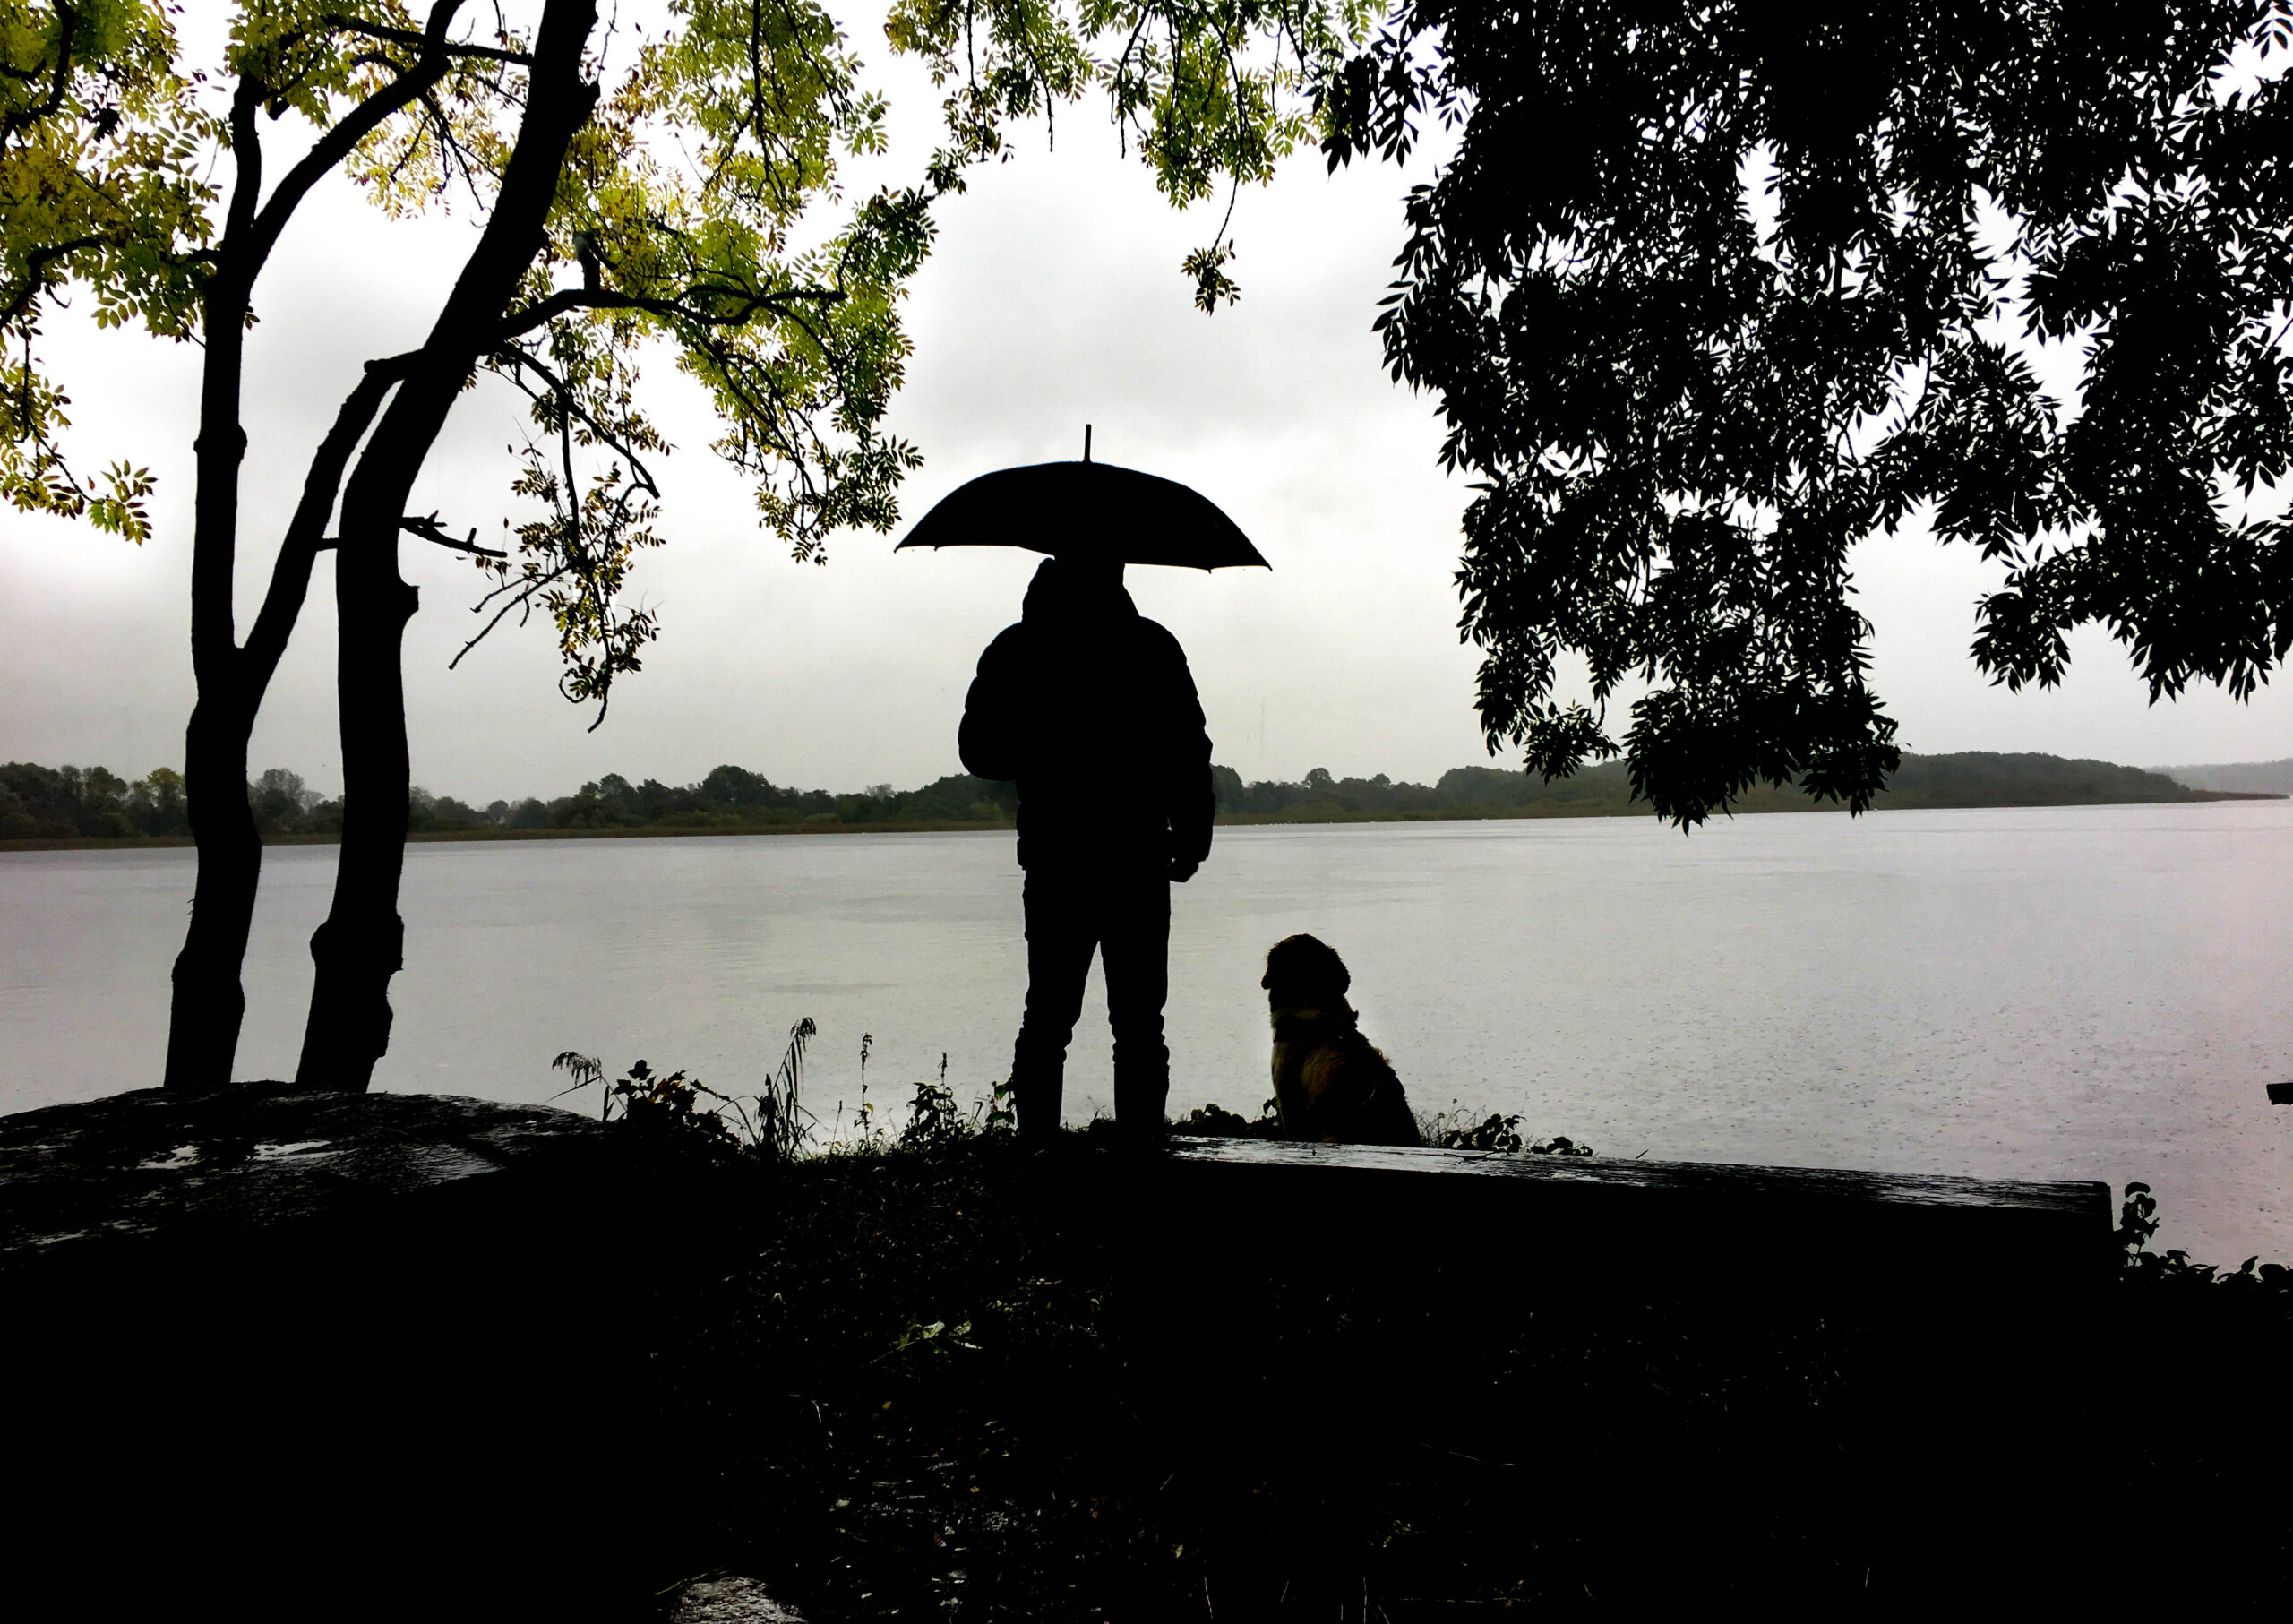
x: 2074, y: 993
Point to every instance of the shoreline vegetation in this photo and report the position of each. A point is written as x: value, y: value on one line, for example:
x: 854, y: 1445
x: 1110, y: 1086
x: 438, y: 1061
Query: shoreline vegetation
x: 72, y: 808
x: 986, y: 1398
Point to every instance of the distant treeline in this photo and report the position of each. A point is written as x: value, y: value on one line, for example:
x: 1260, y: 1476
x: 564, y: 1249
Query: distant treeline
x: 732, y: 797
x: 81, y: 803
x: 91, y: 802
x: 1968, y: 779
x: 2252, y: 778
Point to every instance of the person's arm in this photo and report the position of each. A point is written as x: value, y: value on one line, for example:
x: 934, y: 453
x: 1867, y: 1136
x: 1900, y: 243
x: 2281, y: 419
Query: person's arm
x: 989, y: 739
x: 1190, y: 800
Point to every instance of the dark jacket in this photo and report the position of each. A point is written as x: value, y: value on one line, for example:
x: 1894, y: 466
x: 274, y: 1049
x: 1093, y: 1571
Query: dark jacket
x: 1089, y: 708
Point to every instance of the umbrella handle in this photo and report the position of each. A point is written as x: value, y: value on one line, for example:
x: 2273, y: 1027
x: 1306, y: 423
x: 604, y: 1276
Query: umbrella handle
x: 1087, y: 442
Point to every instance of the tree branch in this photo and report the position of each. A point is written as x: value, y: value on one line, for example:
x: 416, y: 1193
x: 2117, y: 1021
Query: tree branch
x: 65, y: 19
x: 305, y: 538
x: 522, y: 603
x: 36, y: 261
x: 427, y: 527
x: 332, y: 148
x: 561, y: 394
x: 246, y: 158
x: 407, y: 37
x: 567, y: 300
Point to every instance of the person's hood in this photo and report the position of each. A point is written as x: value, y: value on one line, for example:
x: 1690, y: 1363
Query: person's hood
x: 1069, y: 597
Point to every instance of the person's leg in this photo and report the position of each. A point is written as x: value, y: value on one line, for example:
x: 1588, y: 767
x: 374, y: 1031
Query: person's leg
x: 1060, y: 940
x: 1136, y: 946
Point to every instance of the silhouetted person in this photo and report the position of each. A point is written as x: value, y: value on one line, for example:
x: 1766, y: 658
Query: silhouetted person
x: 1089, y: 708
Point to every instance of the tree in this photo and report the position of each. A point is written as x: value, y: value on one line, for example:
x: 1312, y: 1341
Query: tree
x: 98, y: 138
x: 156, y: 801
x: 800, y: 347
x: 737, y: 787
x: 280, y: 795
x: 1712, y: 289
x: 694, y: 204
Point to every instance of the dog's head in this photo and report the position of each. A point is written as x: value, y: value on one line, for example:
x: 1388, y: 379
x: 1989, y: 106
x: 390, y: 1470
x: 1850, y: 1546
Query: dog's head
x: 1304, y: 970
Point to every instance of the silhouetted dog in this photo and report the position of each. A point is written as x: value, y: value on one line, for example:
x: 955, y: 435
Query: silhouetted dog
x: 1330, y: 1083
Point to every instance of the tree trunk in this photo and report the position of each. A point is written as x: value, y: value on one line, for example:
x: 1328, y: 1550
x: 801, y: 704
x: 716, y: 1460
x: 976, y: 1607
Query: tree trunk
x: 210, y: 1002
x: 361, y: 944
x: 359, y: 947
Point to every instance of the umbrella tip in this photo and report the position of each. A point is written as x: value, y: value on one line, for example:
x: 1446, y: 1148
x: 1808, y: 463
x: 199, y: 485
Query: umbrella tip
x: 1087, y: 442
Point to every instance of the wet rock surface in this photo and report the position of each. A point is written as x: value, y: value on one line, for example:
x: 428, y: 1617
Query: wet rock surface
x: 157, y: 1161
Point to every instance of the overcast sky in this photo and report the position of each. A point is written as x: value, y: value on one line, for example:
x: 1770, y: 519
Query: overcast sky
x: 1053, y: 299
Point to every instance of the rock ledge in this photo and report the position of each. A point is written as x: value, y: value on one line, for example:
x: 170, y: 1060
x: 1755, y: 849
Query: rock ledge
x: 253, y: 1155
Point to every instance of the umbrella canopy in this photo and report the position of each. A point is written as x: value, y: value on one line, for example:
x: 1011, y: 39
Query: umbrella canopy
x: 1087, y: 510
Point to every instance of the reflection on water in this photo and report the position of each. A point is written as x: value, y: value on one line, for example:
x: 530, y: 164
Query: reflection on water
x: 2092, y: 993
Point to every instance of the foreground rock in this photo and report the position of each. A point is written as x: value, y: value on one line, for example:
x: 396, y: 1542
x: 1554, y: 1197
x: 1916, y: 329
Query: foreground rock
x: 161, y: 1166
x: 289, y: 1353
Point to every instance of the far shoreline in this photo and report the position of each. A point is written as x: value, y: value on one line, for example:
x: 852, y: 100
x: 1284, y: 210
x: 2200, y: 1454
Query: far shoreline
x: 78, y: 843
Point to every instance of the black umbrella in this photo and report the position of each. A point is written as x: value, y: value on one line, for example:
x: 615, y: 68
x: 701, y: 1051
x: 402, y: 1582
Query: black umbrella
x: 1087, y: 510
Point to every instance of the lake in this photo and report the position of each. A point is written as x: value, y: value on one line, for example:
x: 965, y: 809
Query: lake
x: 2063, y: 993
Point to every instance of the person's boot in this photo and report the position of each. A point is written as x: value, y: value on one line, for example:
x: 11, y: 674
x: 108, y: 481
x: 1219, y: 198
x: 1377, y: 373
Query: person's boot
x: 1140, y: 1114
x: 1036, y: 1097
